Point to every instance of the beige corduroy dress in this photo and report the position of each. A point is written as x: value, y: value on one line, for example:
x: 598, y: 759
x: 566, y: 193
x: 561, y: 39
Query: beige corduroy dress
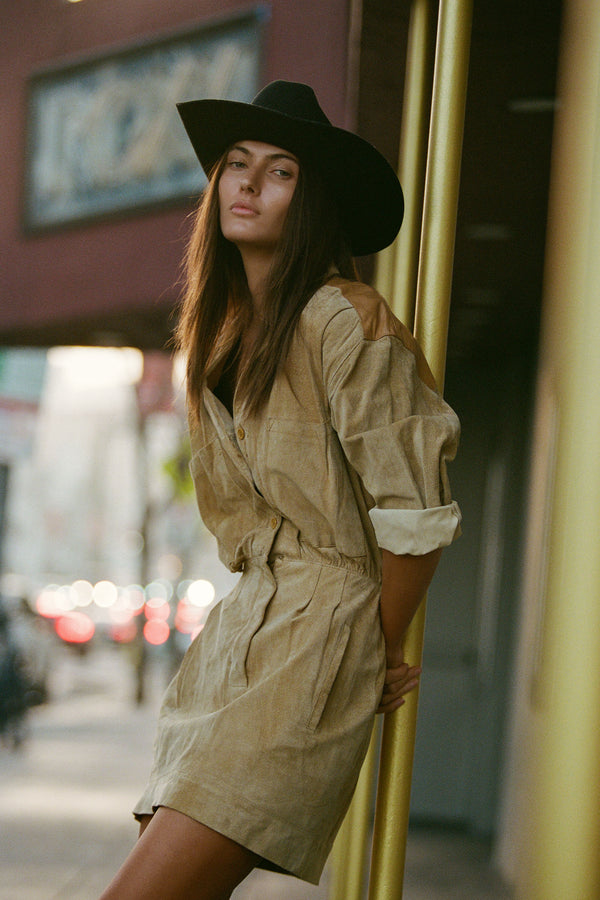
x: 263, y: 730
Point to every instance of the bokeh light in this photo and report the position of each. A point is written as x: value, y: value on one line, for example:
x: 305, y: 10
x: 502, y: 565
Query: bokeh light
x: 66, y: 598
x: 156, y: 631
x: 201, y: 592
x: 170, y: 566
x: 158, y: 592
x: 105, y: 594
x: 113, y: 609
x: 134, y: 597
x: 159, y: 612
x: 91, y: 367
x: 75, y: 628
x: 119, y: 614
x: 47, y: 602
x: 182, y: 588
x: 187, y: 617
x: 83, y: 592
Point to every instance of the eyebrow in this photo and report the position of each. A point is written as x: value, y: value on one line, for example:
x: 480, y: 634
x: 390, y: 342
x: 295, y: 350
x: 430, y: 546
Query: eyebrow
x: 272, y: 156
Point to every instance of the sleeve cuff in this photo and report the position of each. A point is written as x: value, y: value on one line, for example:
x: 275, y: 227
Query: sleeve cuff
x: 416, y: 531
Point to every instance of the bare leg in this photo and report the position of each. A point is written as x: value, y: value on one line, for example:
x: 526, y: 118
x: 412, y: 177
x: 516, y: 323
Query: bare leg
x: 144, y: 822
x: 177, y: 858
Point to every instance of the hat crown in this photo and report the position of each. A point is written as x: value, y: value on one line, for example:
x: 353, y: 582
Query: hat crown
x: 290, y: 98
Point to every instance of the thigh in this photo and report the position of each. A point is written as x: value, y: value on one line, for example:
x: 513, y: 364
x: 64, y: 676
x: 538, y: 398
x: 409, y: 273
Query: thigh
x: 177, y: 858
x: 144, y: 822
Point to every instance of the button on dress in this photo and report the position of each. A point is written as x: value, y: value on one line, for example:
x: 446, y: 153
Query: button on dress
x: 262, y: 732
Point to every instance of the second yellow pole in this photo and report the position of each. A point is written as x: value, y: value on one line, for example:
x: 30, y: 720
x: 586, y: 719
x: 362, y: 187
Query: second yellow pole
x: 395, y: 279
x: 562, y: 830
x: 431, y: 326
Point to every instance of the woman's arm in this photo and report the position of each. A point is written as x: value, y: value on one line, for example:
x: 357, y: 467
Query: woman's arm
x: 405, y: 580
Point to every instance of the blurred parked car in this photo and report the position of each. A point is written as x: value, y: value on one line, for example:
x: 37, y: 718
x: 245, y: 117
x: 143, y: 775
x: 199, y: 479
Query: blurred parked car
x: 33, y: 644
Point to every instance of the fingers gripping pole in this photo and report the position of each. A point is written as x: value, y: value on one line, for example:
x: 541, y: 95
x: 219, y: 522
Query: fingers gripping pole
x: 431, y: 327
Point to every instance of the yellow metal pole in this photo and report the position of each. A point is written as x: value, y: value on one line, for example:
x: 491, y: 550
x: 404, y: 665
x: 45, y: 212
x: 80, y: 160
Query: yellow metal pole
x: 563, y: 834
x: 384, y: 272
x: 414, y: 133
x: 350, y: 849
x: 433, y: 304
x: 396, y: 278
x: 442, y: 185
x: 340, y: 854
x: 361, y: 825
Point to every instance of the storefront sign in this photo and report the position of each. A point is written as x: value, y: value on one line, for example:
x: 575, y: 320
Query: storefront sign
x: 105, y: 135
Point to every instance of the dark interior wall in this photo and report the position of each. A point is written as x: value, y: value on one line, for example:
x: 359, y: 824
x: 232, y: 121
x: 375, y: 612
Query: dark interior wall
x: 500, y: 233
x: 382, y: 63
x: 117, y: 279
x: 496, y: 300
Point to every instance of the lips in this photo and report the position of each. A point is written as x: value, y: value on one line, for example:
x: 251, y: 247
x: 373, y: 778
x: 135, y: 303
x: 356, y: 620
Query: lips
x: 243, y: 209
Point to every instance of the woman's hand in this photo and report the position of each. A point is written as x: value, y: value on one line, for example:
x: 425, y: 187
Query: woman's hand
x: 400, y: 679
x: 405, y: 580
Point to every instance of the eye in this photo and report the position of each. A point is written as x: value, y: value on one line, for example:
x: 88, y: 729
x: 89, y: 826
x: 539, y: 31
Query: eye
x: 236, y: 159
x: 283, y: 173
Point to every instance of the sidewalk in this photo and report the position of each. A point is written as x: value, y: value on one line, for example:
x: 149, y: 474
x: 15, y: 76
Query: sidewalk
x: 65, y: 824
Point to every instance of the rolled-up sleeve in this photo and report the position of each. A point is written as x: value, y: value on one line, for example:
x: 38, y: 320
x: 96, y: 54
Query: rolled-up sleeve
x: 416, y: 531
x: 397, y: 433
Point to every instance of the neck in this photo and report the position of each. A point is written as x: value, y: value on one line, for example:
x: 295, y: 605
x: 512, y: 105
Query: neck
x: 256, y: 267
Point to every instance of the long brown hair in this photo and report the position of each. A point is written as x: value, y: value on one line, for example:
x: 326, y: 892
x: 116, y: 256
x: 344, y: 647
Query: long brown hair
x: 217, y: 304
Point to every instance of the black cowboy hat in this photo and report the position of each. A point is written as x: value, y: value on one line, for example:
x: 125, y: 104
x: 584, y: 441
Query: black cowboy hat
x: 288, y: 115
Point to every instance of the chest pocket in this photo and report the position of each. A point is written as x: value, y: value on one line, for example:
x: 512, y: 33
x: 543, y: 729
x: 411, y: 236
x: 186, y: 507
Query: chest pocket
x: 229, y: 504
x: 305, y: 476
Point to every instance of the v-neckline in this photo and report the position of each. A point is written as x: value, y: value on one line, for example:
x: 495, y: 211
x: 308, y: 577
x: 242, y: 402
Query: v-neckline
x: 225, y: 386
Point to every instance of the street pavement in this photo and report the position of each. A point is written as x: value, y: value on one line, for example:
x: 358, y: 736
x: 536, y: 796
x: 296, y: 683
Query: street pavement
x: 66, y: 796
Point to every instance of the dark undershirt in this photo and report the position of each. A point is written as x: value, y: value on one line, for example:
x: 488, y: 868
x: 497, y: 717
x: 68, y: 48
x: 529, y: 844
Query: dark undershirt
x: 224, y: 390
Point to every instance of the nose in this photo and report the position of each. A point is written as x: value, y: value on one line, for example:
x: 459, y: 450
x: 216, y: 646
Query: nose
x: 249, y: 181
x: 247, y: 185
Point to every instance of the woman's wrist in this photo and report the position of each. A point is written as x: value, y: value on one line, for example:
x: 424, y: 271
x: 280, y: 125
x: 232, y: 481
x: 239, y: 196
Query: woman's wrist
x: 394, y: 654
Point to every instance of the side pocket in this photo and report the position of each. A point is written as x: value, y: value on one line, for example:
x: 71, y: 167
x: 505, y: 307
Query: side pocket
x: 328, y: 677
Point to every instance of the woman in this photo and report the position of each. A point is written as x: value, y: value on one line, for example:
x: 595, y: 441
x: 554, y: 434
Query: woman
x: 319, y: 445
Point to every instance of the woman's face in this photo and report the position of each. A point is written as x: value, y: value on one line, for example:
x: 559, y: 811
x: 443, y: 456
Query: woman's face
x: 255, y: 190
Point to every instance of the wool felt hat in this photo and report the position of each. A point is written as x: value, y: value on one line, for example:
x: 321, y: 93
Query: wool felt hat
x: 287, y: 114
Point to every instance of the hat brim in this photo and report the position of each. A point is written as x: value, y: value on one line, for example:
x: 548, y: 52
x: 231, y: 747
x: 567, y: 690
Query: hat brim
x: 360, y: 179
